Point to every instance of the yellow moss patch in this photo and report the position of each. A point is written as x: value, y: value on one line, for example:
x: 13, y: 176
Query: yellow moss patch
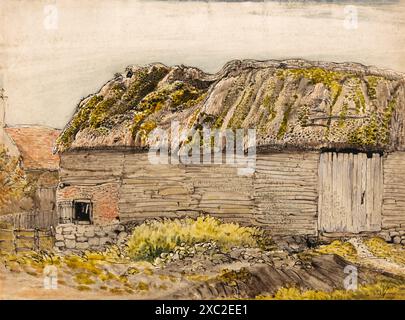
x: 84, y: 279
x: 343, y: 249
x: 143, y: 286
x: 381, y: 249
x: 198, y: 277
x: 383, y: 289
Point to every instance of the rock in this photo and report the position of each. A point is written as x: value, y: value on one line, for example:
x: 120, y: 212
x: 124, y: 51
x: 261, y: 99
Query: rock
x: 397, y: 239
x: 81, y: 239
x: 59, y: 244
x: 403, y: 241
x: 100, y: 233
x: 69, y: 229
x: 94, y: 242
x: 70, y: 244
x: 89, y: 233
x: 112, y: 235
x: 394, y: 233
x: 164, y: 255
x: 120, y: 228
x: 104, y: 241
x: 82, y: 245
x: 70, y: 237
x: 59, y: 237
x: 386, y: 236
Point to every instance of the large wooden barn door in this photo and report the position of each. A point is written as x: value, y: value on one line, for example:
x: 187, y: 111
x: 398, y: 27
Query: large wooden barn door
x: 350, y: 192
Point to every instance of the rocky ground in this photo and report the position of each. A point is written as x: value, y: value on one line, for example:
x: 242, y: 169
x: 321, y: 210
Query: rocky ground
x: 203, y: 271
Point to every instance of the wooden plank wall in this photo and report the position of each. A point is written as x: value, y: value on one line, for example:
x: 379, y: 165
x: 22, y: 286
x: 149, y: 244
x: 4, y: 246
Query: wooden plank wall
x: 350, y: 192
x: 282, y: 195
x: 286, y: 192
x: 394, y: 191
x: 152, y: 190
x: 90, y: 168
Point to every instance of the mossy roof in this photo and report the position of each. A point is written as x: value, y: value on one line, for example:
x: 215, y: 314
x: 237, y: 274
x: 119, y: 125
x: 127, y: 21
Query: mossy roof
x: 291, y: 104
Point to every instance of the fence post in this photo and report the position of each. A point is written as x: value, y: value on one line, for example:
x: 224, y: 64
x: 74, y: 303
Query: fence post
x: 14, y: 240
x: 36, y: 239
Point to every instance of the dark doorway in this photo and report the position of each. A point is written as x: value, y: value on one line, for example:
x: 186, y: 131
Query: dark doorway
x: 83, y: 211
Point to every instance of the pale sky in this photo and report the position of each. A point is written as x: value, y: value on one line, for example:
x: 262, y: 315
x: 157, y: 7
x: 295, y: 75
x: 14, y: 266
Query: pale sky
x: 54, y: 52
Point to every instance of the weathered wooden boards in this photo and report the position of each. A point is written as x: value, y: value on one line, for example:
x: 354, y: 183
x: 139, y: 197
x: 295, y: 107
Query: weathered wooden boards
x: 150, y: 190
x: 350, y: 192
x: 285, y: 191
x: 394, y: 191
x: 290, y: 193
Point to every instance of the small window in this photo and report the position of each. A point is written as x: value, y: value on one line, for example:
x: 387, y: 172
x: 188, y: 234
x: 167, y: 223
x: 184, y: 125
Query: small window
x: 82, y: 211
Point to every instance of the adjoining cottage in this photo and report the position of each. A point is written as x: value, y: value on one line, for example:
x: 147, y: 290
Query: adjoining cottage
x: 33, y: 145
x: 330, y: 148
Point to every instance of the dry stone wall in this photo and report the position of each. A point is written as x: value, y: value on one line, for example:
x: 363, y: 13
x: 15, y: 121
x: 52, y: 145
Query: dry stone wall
x: 94, y: 237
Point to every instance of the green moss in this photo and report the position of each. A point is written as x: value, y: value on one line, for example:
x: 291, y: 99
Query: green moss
x: 231, y: 277
x: 100, y: 112
x: 376, y: 132
x: 241, y: 110
x: 343, y: 114
x: 143, y: 286
x: 284, y: 123
x: 372, y: 83
x: 360, y: 101
x: 303, y: 116
x: 366, y: 135
x: 84, y: 279
x: 269, y: 106
x: 79, y: 120
x: 185, y: 96
x: 331, y: 79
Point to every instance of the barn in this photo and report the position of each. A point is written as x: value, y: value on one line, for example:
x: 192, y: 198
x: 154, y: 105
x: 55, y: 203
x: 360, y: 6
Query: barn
x: 328, y: 148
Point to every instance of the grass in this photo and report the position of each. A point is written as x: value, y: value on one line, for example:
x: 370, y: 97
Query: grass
x: 381, y: 249
x: 383, y: 289
x: 154, y: 237
x: 340, y: 248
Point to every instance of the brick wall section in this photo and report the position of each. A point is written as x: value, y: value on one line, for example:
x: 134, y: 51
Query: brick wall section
x: 104, y: 199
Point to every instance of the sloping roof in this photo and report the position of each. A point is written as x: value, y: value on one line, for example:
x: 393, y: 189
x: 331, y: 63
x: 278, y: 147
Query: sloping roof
x: 291, y: 104
x: 36, y: 146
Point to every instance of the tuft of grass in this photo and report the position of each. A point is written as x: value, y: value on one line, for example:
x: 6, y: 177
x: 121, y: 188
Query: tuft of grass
x: 381, y: 249
x: 383, y: 289
x: 84, y: 279
x: 343, y: 249
x: 153, y: 237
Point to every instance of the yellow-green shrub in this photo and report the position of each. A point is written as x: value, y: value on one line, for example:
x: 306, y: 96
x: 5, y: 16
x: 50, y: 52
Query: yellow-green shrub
x: 381, y: 249
x: 382, y: 289
x: 153, y: 237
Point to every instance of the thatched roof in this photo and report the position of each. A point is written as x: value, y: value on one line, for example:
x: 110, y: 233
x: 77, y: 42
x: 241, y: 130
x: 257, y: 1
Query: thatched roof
x: 292, y: 104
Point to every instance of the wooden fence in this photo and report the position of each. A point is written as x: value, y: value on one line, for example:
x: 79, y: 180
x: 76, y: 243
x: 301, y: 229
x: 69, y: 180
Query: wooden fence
x: 35, y: 220
x: 18, y: 240
x: 27, y: 231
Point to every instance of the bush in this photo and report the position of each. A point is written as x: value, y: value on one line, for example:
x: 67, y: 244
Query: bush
x: 153, y: 237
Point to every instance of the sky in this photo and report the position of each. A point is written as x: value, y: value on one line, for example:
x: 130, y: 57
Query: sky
x: 55, y: 52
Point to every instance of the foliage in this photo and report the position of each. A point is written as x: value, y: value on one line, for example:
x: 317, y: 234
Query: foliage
x: 381, y: 249
x: 153, y: 237
x: 13, y: 184
x: 343, y: 249
x: 382, y: 289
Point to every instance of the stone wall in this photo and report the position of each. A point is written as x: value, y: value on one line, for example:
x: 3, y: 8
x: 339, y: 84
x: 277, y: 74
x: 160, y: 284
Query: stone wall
x: 95, y: 237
